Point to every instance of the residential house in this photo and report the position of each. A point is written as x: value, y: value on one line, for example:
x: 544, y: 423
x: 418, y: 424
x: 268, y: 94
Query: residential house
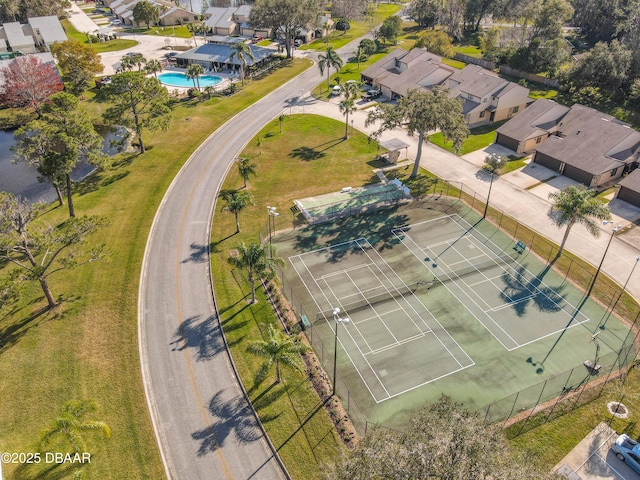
x: 170, y: 13
x: 590, y: 147
x: 525, y: 132
x: 18, y: 37
x: 232, y: 21
x: 47, y: 31
x: 628, y: 189
x: 485, y: 96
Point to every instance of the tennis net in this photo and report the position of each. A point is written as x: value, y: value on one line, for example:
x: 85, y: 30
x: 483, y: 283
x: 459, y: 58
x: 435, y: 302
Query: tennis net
x: 370, y: 302
x: 502, y: 260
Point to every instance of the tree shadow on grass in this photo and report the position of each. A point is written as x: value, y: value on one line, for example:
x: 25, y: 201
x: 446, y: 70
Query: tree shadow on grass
x: 47, y: 470
x: 306, y: 153
x: 231, y: 416
x: 96, y: 180
x: 202, y: 335
x: 11, y: 334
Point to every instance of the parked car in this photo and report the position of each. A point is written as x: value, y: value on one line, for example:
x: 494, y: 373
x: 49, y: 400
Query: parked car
x: 371, y: 95
x: 297, y: 42
x: 336, y: 90
x: 628, y: 451
x: 256, y: 38
x: 116, y: 23
x: 101, y: 82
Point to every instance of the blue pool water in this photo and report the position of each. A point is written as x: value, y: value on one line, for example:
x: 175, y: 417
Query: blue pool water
x: 180, y: 80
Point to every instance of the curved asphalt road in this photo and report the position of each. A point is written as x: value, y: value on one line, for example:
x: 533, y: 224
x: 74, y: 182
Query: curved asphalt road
x: 204, y: 425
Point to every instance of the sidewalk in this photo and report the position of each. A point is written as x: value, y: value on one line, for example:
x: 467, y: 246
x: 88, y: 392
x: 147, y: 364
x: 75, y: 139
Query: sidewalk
x: 506, y: 195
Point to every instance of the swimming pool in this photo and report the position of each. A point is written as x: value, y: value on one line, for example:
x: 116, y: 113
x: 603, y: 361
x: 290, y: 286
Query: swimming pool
x: 176, y: 79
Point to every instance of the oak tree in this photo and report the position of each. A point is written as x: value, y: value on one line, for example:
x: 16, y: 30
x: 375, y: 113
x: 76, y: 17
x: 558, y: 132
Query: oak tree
x: 78, y: 63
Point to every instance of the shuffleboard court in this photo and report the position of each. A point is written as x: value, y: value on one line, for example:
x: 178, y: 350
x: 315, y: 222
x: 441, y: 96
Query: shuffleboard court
x: 392, y: 339
x: 513, y: 304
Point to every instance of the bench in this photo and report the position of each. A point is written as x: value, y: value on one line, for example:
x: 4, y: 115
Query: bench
x: 520, y: 246
x: 305, y: 322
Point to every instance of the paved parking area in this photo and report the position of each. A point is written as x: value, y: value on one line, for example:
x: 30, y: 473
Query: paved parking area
x: 592, y: 459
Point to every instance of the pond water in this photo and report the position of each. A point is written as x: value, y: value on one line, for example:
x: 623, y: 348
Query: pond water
x: 22, y: 179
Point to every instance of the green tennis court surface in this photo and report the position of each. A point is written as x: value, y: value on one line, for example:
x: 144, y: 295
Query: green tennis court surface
x: 489, y: 282
x: 439, y: 301
x: 389, y: 329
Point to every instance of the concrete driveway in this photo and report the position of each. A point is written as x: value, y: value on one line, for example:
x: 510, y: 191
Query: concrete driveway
x: 592, y: 459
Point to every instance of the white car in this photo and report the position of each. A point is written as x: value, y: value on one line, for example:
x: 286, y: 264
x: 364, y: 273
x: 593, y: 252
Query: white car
x: 116, y: 23
x: 336, y: 90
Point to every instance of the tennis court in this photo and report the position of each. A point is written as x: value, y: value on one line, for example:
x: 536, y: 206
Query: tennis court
x: 393, y: 340
x: 489, y: 282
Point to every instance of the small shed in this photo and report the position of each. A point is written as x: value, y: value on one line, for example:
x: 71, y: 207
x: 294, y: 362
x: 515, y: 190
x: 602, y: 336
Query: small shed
x: 393, y: 147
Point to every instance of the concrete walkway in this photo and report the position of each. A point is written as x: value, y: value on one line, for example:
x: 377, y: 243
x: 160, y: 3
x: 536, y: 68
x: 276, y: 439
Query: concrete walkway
x: 509, y: 194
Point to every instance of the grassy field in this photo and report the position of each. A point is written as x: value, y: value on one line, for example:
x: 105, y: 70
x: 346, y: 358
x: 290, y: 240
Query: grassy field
x: 87, y: 348
x: 310, y: 147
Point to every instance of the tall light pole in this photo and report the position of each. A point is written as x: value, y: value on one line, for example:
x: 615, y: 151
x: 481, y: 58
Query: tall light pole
x: 336, y: 317
x: 623, y: 288
x: 271, y: 212
x: 613, y: 232
x: 495, y: 162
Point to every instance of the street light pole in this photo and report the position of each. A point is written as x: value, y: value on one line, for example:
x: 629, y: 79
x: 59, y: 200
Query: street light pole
x: 613, y: 232
x: 496, y: 163
x: 271, y: 212
x: 336, y: 317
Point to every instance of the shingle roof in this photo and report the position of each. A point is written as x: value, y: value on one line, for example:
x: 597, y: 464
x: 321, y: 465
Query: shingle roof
x: 385, y: 64
x: 592, y: 141
x: 541, y: 117
x: 631, y: 181
x: 475, y: 80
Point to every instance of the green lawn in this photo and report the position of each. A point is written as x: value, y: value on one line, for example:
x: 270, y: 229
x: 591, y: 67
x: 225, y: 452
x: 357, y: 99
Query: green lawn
x: 87, y: 348
x: 99, y: 47
x: 283, y: 171
x: 513, y: 164
x: 479, y: 137
x: 340, y: 39
x: 471, y: 50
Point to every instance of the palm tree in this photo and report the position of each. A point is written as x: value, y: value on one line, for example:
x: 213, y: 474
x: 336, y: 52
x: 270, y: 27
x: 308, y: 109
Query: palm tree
x: 259, y: 260
x: 246, y: 169
x: 281, y: 119
x: 276, y: 349
x: 153, y: 66
x: 328, y: 60
x: 242, y: 52
x: 193, y: 73
x: 70, y: 425
x: 347, y: 106
x: 575, y: 204
x: 236, y: 202
x: 350, y: 92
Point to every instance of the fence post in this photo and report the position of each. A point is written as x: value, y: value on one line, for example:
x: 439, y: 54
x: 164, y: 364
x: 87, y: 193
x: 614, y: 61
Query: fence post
x: 487, y: 414
x: 533, y: 408
x: 515, y: 233
x: 514, y: 406
x: 501, y: 217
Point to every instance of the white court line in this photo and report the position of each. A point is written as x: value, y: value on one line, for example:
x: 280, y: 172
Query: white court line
x: 409, y: 304
x: 374, y: 310
x: 455, y: 296
x: 445, y: 347
x: 346, y: 329
x: 513, y: 273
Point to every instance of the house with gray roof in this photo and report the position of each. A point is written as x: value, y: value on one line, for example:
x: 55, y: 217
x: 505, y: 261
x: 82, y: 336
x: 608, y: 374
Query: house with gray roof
x: 215, y: 54
x: 485, y: 96
x: 590, y: 147
x: 534, y: 125
x: 47, y: 31
x: 628, y: 189
x: 18, y: 37
x: 170, y: 13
